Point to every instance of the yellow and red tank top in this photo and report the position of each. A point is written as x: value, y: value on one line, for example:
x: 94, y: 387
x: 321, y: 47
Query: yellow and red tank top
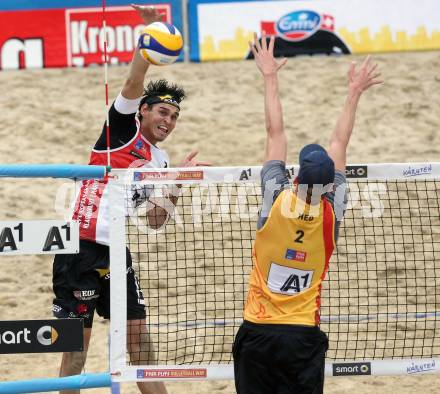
x: 290, y: 260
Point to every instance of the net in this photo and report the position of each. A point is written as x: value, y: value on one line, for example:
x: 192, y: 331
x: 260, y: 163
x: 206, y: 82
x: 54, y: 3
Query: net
x: 380, y: 299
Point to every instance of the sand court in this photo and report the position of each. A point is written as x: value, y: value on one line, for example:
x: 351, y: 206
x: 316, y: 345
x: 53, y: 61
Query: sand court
x: 55, y: 116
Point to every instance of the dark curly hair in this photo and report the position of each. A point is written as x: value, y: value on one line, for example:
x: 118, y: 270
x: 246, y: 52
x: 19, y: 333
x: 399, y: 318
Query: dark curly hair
x: 162, y: 87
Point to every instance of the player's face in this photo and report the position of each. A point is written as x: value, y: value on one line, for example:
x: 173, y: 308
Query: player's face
x: 158, y: 121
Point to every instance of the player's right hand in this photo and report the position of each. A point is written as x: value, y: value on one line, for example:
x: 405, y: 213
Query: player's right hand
x: 263, y: 55
x: 149, y: 14
x: 363, y: 77
x: 190, y: 161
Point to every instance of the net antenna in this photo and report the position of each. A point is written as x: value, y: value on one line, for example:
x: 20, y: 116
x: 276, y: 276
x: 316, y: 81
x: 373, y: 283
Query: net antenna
x: 105, y: 62
x: 380, y: 305
x: 115, y: 389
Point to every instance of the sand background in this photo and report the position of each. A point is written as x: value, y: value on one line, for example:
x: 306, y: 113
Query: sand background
x: 55, y: 116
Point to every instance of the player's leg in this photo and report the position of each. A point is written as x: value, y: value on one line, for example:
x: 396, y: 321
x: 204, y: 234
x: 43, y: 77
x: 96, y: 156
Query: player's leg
x: 72, y: 363
x: 139, y: 345
x: 142, y: 352
x: 311, y: 378
x: 253, y: 349
x: 302, y: 369
x: 76, y: 287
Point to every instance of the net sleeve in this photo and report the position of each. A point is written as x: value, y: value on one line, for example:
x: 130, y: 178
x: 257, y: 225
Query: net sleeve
x: 273, y: 181
x: 338, y: 199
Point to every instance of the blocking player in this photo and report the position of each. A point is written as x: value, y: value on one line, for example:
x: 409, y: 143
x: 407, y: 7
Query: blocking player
x: 139, y: 120
x: 279, y: 348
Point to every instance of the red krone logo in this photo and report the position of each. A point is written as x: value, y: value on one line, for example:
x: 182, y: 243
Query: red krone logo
x: 85, y: 34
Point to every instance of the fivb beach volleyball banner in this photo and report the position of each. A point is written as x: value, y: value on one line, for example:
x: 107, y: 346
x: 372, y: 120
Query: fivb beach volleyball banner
x: 64, y: 33
x: 221, y: 29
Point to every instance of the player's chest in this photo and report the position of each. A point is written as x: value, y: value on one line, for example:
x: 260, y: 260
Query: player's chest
x: 140, y: 154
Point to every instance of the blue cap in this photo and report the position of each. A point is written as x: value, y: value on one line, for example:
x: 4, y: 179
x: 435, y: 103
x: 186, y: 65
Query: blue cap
x: 315, y: 166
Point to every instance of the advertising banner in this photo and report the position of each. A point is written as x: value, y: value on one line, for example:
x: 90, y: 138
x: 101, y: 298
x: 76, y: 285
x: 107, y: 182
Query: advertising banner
x: 39, y: 237
x: 221, y: 30
x: 85, y: 35
x: 61, y: 37
x: 41, y: 336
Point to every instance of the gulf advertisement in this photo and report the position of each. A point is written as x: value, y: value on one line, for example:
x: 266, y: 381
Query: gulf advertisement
x: 70, y: 33
x: 221, y: 30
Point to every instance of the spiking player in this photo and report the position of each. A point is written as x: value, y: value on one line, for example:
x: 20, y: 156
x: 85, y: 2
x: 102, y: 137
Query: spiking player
x: 81, y: 282
x: 279, y: 348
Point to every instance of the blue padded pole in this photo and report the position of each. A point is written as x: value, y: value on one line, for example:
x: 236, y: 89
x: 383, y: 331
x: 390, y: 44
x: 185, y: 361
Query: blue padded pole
x: 76, y: 382
x: 72, y: 171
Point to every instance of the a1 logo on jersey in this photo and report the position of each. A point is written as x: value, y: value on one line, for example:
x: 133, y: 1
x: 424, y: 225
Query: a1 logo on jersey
x: 287, y: 280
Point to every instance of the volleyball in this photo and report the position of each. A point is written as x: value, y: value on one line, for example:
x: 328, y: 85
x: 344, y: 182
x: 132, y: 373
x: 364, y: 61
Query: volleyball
x: 160, y: 43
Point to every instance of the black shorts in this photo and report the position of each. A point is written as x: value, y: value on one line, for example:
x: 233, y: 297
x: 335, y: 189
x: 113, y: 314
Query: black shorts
x: 81, y: 283
x: 279, y: 359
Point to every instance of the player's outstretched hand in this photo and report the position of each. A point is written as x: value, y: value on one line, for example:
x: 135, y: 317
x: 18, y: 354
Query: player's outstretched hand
x: 190, y: 161
x: 263, y: 55
x: 149, y: 14
x: 363, y: 77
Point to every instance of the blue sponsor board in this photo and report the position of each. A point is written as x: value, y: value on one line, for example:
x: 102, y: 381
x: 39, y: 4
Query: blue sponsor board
x: 8, y: 5
x: 298, y: 25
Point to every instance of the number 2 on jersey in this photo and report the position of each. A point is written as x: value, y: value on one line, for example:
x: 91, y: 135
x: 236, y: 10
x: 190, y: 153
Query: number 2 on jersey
x: 300, y: 235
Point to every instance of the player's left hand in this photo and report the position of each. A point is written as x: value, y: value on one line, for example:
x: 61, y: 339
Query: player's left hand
x: 362, y: 78
x: 190, y: 161
x: 149, y: 14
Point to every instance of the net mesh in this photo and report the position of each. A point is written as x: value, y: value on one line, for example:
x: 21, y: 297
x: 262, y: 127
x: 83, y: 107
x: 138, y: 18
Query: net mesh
x: 380, y: 299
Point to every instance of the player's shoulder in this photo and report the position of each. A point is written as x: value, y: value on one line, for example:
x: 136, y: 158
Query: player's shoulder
x: 125, y: 106
x: 272, y: 169
x: 340, y: 177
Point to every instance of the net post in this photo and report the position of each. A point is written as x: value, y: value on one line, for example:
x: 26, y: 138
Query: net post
x: 115, y: 387
x: 118, y: 285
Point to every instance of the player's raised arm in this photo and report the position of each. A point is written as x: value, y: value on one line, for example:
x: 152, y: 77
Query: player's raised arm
x: 359, y: 80
x: 134, y: 83
x: 276, y: 144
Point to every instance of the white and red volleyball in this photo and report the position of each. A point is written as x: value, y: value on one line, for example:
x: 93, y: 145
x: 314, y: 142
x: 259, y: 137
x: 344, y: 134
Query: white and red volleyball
x: 160, y: 43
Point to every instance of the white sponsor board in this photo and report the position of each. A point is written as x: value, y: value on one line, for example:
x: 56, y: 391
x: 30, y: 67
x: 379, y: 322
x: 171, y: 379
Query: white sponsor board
x: 363, y: 26
x: 39, y: 237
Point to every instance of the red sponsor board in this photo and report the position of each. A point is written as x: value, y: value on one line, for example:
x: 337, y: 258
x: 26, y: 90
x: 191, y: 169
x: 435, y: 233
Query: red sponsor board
x: 85, y: 34
x: 32, y: 39
x: 64, y: 37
